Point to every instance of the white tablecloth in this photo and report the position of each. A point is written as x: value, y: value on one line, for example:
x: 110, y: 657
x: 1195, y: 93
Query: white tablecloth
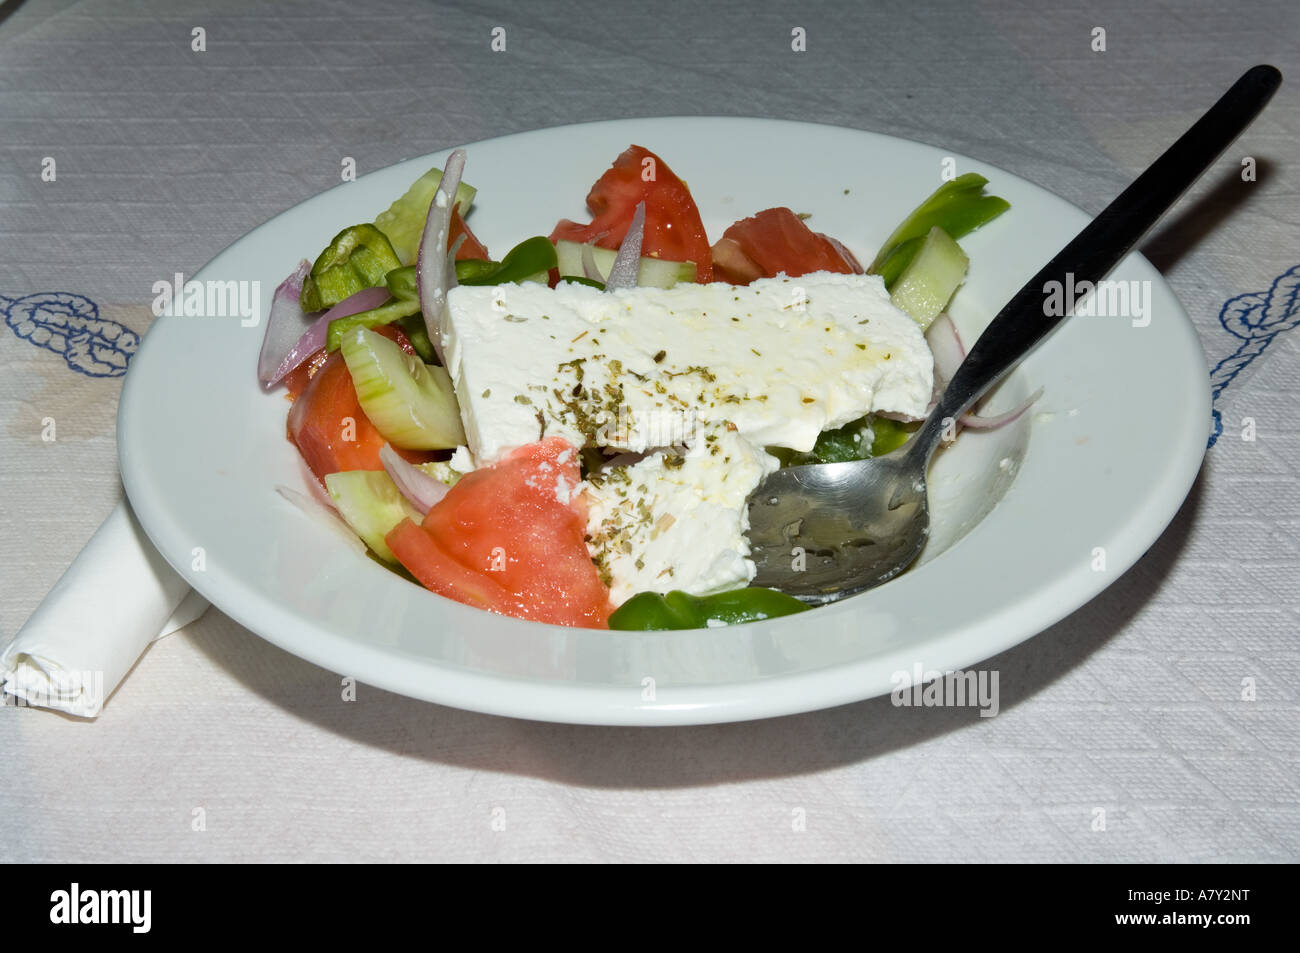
x: 219, y: 746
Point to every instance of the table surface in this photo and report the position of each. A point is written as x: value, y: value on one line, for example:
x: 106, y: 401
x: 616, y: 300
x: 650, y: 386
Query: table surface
x: 1160, y: 722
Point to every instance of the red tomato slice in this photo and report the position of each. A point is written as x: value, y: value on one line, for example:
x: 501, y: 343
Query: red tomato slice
x: 673, y: 230
x: 773, y: 241
x: 296, y: 380
x: 471, y: 247
x: 502, y: 539
x: 329, y: 428
x: 419, y: 552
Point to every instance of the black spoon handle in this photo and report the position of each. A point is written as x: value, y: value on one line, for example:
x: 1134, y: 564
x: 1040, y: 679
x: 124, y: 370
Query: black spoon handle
x: 1026, y: 320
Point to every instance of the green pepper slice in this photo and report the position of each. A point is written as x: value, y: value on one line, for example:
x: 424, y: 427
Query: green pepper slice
x: 358, y: 258
x: 579, y: 280
x: 413, y: 327
x: 401, y: 283
x: 647, y: 611
x: 888, y: 435
x: 531, y: 259
x: 472, y: 271
x: 848, y: 443
x: 384, y: 314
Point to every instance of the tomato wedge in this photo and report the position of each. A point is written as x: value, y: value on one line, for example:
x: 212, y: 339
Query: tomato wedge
x: 673, y: 230
x: 326, y: 422
x: 297, y: 379
x: 774, y: 241
x: 511, y: 538
x: 471, y: 247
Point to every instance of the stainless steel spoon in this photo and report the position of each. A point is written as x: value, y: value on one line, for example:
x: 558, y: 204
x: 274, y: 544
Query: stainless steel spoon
x: 827, y: 531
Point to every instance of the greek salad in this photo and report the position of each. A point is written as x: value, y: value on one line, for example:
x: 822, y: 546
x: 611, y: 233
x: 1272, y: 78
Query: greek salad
x: 570, y: 432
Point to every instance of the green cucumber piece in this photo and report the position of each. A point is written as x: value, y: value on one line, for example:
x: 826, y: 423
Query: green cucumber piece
x: 651, y: 272
x: 927, y: 284
x: 958, y: 207
x: 412, y: 404
x: 403, y: 221
x: 369, y: 502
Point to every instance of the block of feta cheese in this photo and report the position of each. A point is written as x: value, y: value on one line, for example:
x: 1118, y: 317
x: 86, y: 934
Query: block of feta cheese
x: 781, y: 360
x: 677, y: 518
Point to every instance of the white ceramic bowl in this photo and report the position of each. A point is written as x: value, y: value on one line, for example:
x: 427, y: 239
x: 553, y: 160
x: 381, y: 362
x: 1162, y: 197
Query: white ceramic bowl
x: 1030, y: 521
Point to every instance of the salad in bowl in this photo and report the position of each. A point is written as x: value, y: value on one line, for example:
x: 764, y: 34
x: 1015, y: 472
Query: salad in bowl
x: 570, y: 432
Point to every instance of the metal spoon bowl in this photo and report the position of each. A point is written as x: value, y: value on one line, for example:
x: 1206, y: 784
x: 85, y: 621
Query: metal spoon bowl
x: 824, y: 532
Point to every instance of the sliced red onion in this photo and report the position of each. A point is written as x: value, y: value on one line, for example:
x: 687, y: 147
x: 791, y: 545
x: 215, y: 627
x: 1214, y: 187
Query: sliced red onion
x: 413, y: 483
x: 976, y: 422
x: 949, y: 352
x: 434, y: 276
x: 324, y: 515
x: 451, y: 261
x: 589, y: 268
x: 627, y: 263
x: 945, y: 345
x: 284, y: 325
x: 313, y: 339
x: 850, y: 259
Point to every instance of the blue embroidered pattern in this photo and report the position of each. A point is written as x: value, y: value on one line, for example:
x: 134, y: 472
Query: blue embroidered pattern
x: 70, y: 326
x: 1257, y: 318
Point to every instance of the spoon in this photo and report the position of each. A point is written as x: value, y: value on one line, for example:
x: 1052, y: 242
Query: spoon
x: 827, y: 531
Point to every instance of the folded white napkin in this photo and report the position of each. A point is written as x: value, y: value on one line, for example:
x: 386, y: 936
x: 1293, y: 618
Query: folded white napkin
x: 118, y: 595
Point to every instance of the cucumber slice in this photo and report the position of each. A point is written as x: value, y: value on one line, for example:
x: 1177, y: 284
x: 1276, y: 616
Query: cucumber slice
x: 958, y: 207
x: 651, y: 272
x: 927, y: 284
x: 412, y: 404
x: 403, y: 221
x: 369, y: 502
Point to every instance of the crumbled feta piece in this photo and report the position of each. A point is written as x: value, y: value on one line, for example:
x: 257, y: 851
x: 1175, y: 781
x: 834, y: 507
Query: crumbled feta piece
x: 461, y: 461
x: 676, y: 520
